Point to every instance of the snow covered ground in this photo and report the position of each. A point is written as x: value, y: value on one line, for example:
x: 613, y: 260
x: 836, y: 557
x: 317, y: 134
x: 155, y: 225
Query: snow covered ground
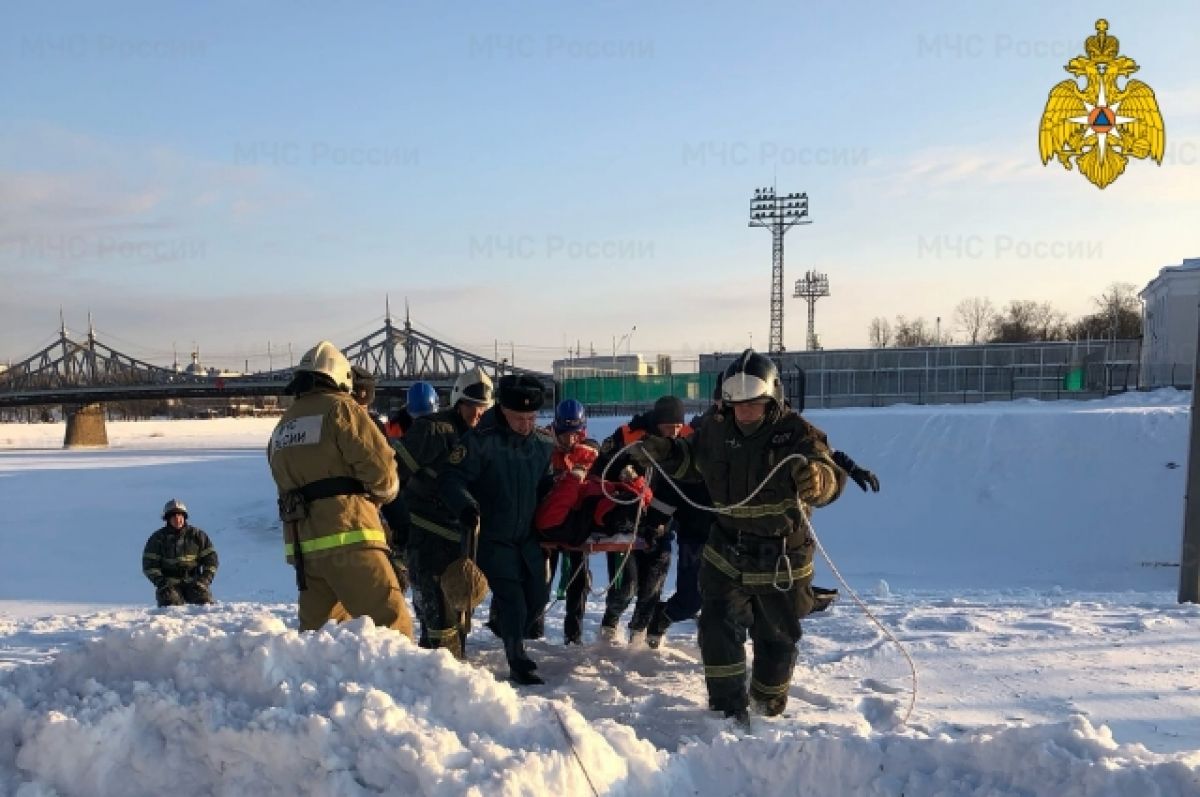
x: 1020, y: 551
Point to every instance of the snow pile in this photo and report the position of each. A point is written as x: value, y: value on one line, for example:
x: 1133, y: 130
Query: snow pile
x: 205, y: 701
x: 229, y: 700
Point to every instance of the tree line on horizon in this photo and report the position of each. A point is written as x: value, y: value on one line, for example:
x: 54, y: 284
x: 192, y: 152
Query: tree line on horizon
x: 1118, y: 316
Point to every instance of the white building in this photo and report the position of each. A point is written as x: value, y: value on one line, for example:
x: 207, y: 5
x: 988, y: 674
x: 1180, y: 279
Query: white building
x: 601, y: 365
x: 1169, y: 319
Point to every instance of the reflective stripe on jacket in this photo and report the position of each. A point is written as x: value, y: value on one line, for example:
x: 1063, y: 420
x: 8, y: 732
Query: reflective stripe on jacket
x: 326, y: 434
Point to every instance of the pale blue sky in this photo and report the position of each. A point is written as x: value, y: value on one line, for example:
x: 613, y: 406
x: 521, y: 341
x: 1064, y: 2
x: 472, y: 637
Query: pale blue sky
x: 230, y: 174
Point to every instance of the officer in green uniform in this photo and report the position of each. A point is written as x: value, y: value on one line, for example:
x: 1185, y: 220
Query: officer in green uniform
x: 493, y: 480
x: 756, y: 573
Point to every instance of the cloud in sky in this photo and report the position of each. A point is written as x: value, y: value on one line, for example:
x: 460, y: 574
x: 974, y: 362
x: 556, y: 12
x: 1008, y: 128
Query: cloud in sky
x: 544, y: 197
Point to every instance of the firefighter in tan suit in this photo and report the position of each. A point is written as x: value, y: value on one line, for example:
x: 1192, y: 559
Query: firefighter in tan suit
x: 334, y: 468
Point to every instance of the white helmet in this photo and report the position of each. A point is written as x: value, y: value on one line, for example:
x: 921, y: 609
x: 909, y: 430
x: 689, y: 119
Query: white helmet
x: 474, y: 387
x: 325, y: 358
x: 751, y: 376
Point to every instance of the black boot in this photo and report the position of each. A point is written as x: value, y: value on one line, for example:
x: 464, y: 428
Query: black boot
x: 524, y: 672
x: 823, y: 598
x: 659, y: 623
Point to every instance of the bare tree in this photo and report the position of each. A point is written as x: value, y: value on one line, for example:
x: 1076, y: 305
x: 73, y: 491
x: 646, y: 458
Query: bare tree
x: 1049, y: 322
x: 1118, y: 315
x: 879, y: 333
x: 974, y: 317
x: 1025, y: 320
x: 913, y: 333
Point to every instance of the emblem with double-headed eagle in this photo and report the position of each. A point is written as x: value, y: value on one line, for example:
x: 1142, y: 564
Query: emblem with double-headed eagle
x: 1101, y: 125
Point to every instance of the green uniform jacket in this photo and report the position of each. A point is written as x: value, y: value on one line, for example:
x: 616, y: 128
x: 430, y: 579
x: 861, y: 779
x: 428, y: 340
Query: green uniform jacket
x: 500, y: 471
x: 326, y: 434
x: 420, y: 456
x: 172, y: 557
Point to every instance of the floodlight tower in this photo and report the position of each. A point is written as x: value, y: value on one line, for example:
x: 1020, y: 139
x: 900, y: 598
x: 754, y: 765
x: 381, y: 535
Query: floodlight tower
x: 778, y: 213
x: 810, y: 288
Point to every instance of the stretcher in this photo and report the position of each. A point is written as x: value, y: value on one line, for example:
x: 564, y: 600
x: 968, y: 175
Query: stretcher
x: 598, y: 543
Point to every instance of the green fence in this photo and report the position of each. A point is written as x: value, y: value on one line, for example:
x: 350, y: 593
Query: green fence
x: 632, y: 389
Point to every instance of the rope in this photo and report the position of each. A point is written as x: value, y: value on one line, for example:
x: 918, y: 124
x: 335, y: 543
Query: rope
x: 575, y: 752
x: 912, y: 667
x: 912, y: 701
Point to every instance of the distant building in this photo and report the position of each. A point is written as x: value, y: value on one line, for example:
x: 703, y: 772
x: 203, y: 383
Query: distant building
x: 598, y: 365
x: 1169, y: 319
x: 196, y: 369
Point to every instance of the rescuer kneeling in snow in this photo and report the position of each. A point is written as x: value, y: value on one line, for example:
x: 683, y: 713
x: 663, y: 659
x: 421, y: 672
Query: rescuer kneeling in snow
x: 180, y: 560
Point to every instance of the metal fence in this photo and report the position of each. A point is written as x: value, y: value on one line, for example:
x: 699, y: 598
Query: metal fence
x: 630, y: 393
x: 924, y: 375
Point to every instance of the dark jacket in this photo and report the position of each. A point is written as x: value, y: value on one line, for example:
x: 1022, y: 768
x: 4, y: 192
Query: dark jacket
x: 501, y: 473
x: 733, y: 465
x: 420, y: 457
x: 668, y: 502
x: 638, y: 427
x: 172, y: 557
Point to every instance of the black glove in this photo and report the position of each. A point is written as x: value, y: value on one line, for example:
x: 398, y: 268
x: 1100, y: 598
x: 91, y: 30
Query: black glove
x: 469, y: 517
x: 860, y: 476
x: 652, y: 532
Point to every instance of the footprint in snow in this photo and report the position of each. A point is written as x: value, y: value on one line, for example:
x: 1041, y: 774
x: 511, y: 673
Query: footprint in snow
x: 881, y: 687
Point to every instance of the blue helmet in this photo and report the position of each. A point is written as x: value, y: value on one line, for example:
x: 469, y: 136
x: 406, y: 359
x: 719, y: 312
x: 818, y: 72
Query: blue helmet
x: 422, y: 399
x: 569, y: 416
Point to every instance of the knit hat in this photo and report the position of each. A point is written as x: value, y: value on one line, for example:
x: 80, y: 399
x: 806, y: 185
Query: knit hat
x: 668, y: 409
x: 521, y: 393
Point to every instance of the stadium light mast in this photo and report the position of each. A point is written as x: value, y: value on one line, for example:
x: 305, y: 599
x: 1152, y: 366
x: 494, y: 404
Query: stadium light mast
x: 810, y: 288
x: 778, y: 213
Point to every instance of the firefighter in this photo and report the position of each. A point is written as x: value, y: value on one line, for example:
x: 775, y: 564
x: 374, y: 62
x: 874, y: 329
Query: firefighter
x: 435, y: 538
x: 756, y: 573
x: 333, y: 469
x: 179, y: 559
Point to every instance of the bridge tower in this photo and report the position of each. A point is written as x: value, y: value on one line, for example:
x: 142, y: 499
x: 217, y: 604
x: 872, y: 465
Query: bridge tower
x: 85, y: 422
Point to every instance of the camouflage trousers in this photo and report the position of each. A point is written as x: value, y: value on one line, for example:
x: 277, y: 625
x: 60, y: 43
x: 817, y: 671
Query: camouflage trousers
x: 428, y: 557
